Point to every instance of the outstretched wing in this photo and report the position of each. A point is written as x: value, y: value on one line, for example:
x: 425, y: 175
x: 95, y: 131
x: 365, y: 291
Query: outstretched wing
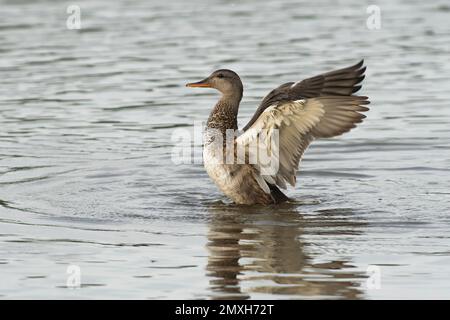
x: 342, y: 82
x: 297, y: 123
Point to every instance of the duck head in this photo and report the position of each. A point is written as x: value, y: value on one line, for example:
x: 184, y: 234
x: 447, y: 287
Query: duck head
x: 224, y: 80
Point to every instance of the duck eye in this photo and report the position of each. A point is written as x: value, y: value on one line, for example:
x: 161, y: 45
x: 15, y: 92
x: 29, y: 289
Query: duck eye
x: 220, y: 75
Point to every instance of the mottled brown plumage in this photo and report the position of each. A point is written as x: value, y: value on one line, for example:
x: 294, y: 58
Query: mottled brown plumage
x: 319, y: 107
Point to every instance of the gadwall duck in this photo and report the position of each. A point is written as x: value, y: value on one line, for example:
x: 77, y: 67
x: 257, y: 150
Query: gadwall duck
x: 288, y: 119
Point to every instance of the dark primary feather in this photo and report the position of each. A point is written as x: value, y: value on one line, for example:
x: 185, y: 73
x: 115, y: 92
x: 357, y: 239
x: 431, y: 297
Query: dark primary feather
x: 277, y: 194
x: 342, y: 82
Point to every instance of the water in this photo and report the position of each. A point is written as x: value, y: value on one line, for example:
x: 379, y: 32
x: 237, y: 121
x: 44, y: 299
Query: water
x: 86, y: 176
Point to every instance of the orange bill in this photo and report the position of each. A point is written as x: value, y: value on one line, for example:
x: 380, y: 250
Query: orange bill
x: 199, y: 84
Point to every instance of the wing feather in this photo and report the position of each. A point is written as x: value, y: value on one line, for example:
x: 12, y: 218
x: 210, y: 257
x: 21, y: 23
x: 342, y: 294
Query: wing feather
x: 297, y: 124
x: 342, y: 82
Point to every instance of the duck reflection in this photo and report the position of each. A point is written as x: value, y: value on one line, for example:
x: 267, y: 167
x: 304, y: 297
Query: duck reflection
x: 256, y: 251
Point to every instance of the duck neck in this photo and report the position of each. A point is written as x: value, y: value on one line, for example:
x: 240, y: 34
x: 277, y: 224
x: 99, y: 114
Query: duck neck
x: 224, y: 114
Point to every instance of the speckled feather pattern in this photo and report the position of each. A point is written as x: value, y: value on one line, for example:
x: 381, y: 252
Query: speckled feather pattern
x: 319, y: 107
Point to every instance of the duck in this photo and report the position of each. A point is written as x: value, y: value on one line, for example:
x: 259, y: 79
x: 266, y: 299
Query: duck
x: 251, y: 166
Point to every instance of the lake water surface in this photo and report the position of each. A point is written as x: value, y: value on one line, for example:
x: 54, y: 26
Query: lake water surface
x: 86, y: 176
